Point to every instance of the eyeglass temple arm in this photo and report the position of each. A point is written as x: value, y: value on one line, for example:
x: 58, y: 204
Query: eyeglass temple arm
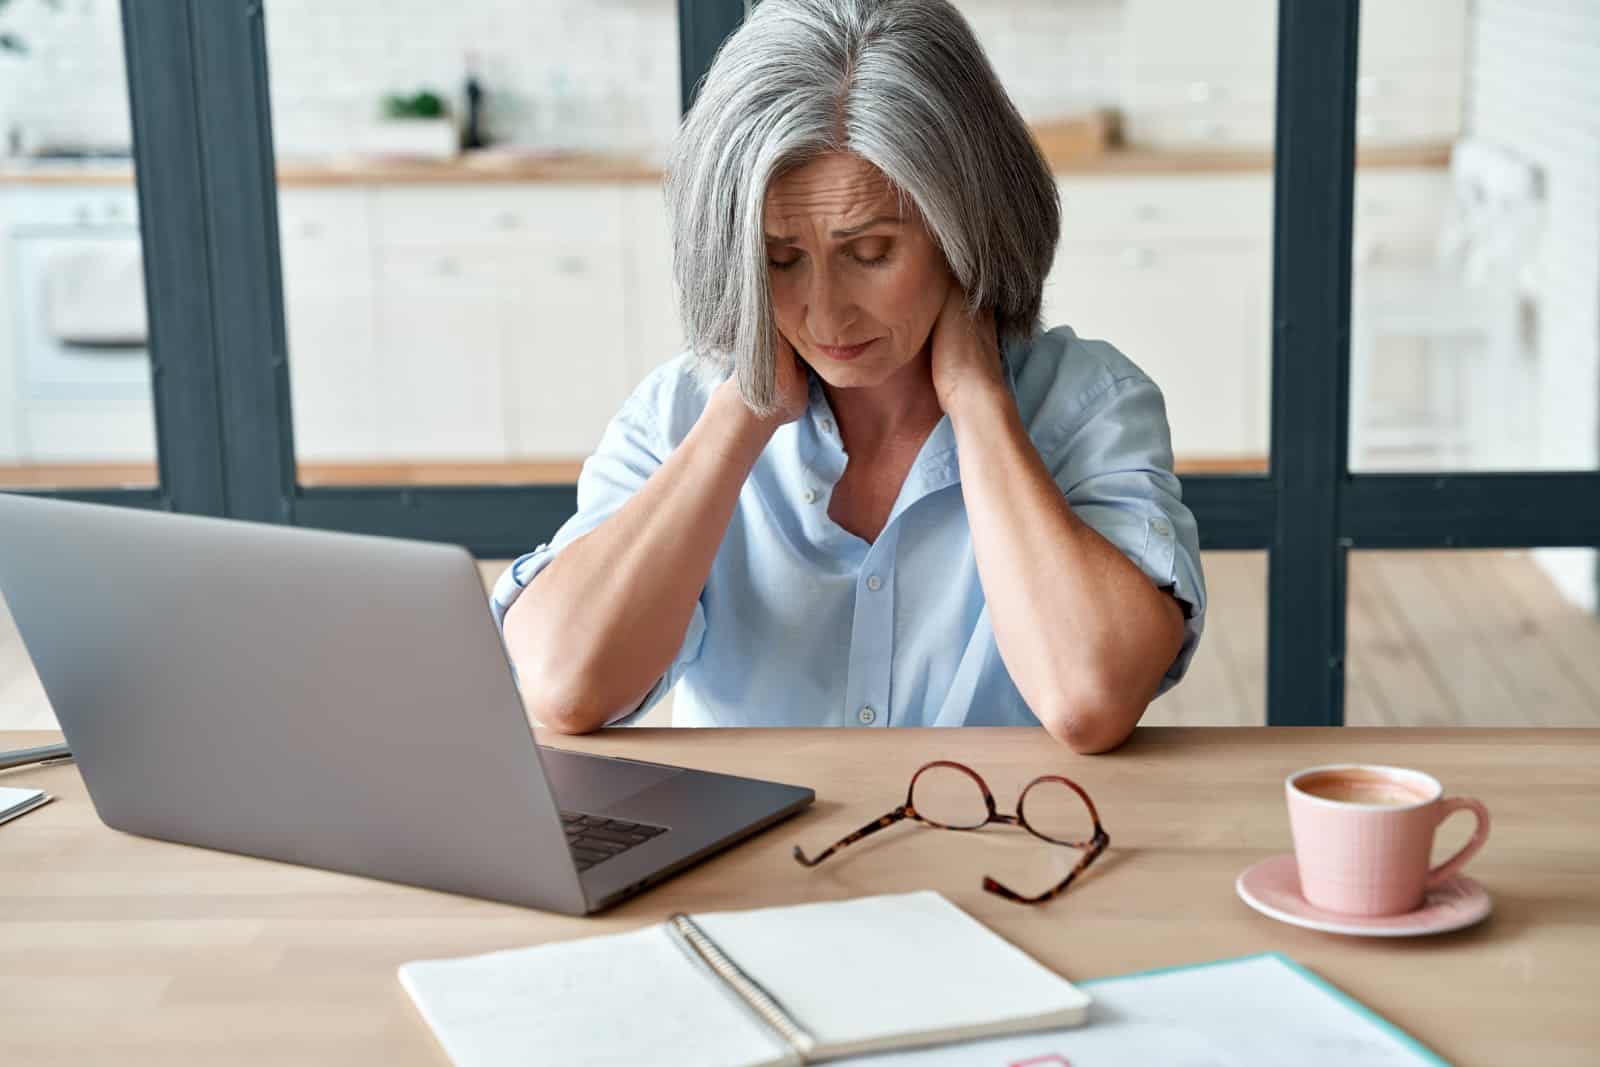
x: 1096, y: 846
x: 872, y: 827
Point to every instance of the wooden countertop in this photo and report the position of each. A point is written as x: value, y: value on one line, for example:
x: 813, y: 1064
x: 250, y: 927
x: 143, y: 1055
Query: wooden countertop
x: 115, y: 948
x: 592, y: 168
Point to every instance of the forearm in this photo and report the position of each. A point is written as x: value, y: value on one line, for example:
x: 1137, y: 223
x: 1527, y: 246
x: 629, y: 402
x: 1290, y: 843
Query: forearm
x: 1086, y: 636
x: 598, y: 626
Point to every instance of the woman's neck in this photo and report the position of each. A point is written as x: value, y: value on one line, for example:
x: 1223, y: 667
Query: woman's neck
x: 902, y: 409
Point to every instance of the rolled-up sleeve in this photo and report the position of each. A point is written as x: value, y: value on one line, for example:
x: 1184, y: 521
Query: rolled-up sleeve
x: 1113, y: 460
x: 629, y: 452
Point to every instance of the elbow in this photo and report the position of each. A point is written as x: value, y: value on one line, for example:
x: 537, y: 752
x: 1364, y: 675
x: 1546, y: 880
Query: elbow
x: 560, y: 701
x: 1087, y: 724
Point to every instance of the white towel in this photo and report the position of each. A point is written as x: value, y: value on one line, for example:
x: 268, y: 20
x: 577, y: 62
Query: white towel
x: 94, y: 294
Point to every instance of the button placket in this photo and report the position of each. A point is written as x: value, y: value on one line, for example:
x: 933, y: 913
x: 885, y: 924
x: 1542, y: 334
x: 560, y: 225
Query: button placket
x: 867, y: 686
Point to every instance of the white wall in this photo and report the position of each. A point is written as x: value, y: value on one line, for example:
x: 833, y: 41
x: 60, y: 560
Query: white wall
x: 582, y: 73
x: 1535, y: 88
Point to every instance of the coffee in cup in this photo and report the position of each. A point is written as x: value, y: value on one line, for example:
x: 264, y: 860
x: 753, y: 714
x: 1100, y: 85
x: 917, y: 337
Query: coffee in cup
x: 1363, y: 834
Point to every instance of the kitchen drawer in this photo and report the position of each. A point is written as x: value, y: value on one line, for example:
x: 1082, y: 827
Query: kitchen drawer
x: 1131, y: 208
x: 1415, y: 122
x: 319, y: 218
x: 499, y: 215
x: 65, y: 206
x: 449, y: 265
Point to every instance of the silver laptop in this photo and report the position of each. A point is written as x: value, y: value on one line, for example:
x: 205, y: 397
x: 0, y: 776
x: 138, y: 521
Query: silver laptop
x: 338, y: 701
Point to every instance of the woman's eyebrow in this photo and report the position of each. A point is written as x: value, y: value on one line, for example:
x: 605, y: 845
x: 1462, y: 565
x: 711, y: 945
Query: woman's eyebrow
x: 846, y: 234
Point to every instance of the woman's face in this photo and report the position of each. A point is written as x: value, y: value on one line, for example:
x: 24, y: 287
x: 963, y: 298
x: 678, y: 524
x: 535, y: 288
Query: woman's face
x: 846, y: 271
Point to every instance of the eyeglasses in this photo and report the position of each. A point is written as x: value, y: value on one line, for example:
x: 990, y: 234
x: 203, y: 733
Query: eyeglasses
x: 951, y: 796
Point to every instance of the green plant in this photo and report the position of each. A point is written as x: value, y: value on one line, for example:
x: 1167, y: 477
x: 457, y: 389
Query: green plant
x: 13, y: 42
x: 422, y: 105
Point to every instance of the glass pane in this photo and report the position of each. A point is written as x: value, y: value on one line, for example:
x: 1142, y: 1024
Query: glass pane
x: 75, y: 399
x: 1474, y: 338
x: 1472, y: 638
x: 471, y: 289
x: 1227, y: 680
x: 1157, y: 117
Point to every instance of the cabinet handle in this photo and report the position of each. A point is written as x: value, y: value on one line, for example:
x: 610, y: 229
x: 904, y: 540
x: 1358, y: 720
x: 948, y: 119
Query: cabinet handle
x: 1147, y: 212
x: 572, y: 265
x: 508, y: 220
x: 448, y: 267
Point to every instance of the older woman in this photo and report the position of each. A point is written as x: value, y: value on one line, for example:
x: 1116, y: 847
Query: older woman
x: 874, y: 493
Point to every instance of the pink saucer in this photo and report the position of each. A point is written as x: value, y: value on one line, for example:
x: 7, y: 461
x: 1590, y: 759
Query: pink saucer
x: 1272, y: 887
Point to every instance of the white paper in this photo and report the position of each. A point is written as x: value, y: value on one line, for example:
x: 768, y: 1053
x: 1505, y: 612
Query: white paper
x: 1254, y: 1012
x: 876, y: 969
x: 620, y: 1001
x: 14, y: 801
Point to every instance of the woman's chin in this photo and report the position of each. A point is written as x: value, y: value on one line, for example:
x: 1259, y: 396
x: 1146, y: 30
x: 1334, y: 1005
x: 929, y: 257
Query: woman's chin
x: 853, y: 374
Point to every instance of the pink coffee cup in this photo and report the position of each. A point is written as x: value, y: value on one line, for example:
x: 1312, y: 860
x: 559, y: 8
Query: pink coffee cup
x: 1363, y: 835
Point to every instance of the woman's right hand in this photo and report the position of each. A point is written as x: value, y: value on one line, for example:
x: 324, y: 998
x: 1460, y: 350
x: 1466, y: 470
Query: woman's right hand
x: 791, y: 390
x: 793, y: 386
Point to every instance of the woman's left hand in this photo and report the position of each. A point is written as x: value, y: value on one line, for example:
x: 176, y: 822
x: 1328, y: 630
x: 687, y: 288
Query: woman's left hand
x: 966, y: 354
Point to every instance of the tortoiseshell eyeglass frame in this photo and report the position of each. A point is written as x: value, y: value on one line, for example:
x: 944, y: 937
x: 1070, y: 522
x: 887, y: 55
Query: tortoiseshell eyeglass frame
x: 1092, y: 848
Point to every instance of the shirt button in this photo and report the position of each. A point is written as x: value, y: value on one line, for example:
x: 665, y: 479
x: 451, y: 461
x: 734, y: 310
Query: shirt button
x: 867, y: 715
x: 1160, y: 527
x: 827, y: 425
x: 810, y: 496
x: 874, y: 583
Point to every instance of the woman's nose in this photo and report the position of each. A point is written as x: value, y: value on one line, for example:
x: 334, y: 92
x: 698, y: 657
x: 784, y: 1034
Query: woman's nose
x: 829, y: 312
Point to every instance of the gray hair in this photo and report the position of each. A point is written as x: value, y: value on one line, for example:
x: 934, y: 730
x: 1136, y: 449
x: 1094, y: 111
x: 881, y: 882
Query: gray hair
x: 904, y: 85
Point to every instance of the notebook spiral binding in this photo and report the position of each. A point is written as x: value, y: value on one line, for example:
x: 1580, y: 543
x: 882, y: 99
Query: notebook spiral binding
x: 759, y: 1001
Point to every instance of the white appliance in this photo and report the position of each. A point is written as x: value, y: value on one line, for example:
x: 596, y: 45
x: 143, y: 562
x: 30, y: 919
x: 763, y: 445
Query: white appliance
x: 80, y: 395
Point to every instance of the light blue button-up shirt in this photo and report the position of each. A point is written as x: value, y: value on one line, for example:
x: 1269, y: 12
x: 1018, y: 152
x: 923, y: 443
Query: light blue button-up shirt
x: 802, y: 623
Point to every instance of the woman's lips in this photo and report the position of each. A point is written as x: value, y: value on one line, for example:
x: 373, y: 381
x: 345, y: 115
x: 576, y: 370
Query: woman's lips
x: 847, y: 353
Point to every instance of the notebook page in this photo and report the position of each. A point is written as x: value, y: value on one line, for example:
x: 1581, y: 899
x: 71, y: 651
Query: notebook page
x: 892, y: 971
x: 1259, y: 1011
x: 620, y: 1000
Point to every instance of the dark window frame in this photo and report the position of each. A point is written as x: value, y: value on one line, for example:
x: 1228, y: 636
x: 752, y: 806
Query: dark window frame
x: 197, y: 72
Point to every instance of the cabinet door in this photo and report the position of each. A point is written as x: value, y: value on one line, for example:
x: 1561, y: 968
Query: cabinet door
x: 564, y: 337
x: 328, y: 298
x: 655, y: 333
x: 441, y: 391
x: 1193, y: 319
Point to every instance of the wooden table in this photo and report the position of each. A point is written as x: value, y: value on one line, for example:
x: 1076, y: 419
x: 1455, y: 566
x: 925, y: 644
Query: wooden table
x: 117, y: 949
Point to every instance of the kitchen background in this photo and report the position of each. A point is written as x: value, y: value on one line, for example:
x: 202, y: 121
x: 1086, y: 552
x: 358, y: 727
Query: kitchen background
x: 476, y: 315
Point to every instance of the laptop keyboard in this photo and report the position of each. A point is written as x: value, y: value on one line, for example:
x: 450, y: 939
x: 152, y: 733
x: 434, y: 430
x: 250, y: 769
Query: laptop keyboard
x: 594, y: 838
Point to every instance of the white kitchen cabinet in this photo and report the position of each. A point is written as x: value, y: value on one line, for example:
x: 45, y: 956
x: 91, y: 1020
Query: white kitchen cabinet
x: 655, y: 332
x: 1175, y: 271
x: 503, y: 325
x: 1194, y: 319
x: 441, y: 383
x: 565, y: 348
x: 1205, y: 74
x: 328, y: 296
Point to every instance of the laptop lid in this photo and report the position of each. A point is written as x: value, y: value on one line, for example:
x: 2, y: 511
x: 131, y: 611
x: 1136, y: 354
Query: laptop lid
x: 334, y: 700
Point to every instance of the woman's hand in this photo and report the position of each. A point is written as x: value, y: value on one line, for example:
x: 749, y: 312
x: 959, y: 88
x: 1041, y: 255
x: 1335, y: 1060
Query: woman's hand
x: 791, y: 392
x: 966, y: 354
x: 792, y: 395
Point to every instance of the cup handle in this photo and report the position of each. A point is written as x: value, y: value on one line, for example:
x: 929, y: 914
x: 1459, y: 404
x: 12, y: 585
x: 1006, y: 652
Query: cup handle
x: 1447, y: 807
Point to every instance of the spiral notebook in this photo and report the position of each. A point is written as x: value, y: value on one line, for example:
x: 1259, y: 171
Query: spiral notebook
x: 759, y: 988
